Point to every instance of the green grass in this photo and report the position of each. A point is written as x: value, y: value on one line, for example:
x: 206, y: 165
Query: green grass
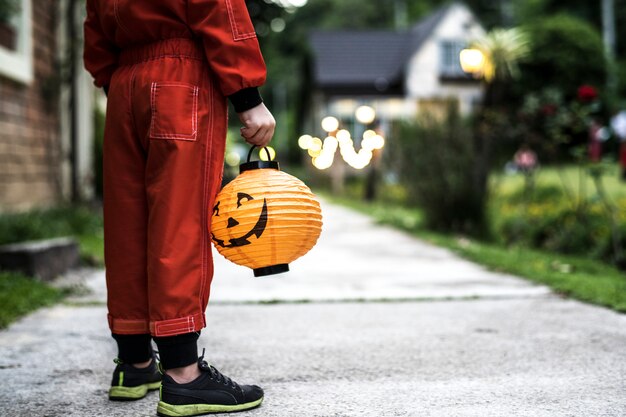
x: 584, y: 279
x: 20, y: 295
x: 81, y: 222
x: 92, y: 248
x: 555, y: 178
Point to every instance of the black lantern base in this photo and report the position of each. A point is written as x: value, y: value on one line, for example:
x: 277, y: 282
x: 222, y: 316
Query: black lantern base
x: 271, y: 270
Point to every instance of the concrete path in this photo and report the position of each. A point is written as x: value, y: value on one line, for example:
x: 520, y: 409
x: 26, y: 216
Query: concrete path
x: 392, y: 327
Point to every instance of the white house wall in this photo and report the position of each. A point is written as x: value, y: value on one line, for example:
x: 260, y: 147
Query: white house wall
x: 423, y: 81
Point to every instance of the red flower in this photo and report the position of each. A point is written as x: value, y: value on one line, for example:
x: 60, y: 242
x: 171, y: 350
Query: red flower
x: 587, y: 93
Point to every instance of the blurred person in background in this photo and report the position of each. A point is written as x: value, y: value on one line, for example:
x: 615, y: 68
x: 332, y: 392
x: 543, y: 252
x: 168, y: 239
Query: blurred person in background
x: 525, y: 159
x: 167, y: 68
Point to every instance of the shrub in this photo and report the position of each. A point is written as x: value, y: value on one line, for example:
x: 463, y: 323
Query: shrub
x: 55, y: 222
x: 436, y: 161
x: 548, y: 221
x: 566, y: 52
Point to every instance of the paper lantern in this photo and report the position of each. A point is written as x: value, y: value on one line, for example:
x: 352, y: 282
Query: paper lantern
x: 265, y: 218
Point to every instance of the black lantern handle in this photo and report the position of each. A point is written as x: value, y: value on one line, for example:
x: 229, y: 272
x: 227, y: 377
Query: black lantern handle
x: 248, y: 166
x: 267, y: 152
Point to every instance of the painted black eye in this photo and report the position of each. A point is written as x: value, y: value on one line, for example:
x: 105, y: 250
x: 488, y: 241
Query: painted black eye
x: 242, y: 196
x: 216, y: 209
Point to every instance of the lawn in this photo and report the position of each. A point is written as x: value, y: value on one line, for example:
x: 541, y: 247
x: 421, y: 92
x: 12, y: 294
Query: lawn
x: 569, y: 176
x: 80, y: 222
x: 20, y: 295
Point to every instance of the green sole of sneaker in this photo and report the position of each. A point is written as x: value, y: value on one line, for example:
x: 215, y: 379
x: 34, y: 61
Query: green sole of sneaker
x: 131, y: 393
x: 168, y: 410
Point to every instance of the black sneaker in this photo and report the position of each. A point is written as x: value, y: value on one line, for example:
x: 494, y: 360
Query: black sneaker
x: 211, y: 392
x: 130, y: 383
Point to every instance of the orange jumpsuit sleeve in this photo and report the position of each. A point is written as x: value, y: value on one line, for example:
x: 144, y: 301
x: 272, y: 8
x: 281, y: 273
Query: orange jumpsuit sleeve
x: 100, y: 53
x: 229, y: 42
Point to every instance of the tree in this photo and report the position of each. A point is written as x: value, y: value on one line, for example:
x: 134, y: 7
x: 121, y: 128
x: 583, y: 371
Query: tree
x: 566, y: 52
x: 502, y: 49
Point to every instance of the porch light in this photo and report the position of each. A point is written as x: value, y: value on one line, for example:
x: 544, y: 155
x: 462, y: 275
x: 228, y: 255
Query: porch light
x: 472, y: 61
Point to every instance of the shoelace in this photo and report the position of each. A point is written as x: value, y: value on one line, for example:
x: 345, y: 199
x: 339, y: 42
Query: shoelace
x: 216, y: 375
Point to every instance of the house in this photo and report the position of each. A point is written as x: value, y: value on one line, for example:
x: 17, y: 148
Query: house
x: 46, y: 105
x: 399, y: 73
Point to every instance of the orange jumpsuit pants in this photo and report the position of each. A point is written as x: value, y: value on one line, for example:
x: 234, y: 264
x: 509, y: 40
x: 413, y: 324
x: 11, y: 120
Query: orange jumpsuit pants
x: 164, y: 140
x: 163, y: 157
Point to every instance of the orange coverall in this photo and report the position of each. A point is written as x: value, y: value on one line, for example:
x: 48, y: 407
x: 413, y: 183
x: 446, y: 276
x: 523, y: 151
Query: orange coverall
x: 168, y: 66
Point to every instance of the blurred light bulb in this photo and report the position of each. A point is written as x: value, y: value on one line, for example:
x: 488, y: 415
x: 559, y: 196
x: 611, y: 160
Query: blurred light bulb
x: 305, y: 141
x: 316, y: 145
x: 323, y: 161
x: 291, y: 3
x: 343, y: 134
x: 377, y: 142
x: 368, y: 134
x: 232, y: 159
x: 331, y: 143
x: 277, y: 25
x: 365, y: 114
x: 263, y: 154
x: 314, y: 153
x: 330, y: 124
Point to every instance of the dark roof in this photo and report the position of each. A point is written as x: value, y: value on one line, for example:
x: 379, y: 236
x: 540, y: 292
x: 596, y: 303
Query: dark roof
x: 367, y: 61
x: 425, y: 27
x: 358, y: 58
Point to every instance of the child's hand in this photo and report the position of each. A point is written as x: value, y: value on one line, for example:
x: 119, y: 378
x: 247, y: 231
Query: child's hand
x: 258, y: 125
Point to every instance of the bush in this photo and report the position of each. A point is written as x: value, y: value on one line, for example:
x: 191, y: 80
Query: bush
x: 437, y: 162
x: 548, y: 221
x: 566, y: 52
x: 79, y: 221
x: 43, y: 224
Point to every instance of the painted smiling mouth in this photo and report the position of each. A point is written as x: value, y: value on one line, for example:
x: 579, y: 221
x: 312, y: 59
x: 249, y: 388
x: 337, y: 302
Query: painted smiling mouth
x: 257, y: 230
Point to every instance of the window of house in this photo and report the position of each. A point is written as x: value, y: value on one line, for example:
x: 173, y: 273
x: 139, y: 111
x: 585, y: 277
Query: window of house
x: 16, y: 58
x: 450, y: 62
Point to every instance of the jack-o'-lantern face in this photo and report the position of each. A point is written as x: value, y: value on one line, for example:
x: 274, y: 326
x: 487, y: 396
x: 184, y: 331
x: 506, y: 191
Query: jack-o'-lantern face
x: 241, y: 237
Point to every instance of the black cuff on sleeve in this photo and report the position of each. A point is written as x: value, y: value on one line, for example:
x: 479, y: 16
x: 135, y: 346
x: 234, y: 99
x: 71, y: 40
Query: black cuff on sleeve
x: 246, y: 99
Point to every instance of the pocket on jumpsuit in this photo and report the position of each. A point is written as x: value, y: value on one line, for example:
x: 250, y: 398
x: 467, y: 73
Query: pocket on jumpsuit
x: 174, y: 109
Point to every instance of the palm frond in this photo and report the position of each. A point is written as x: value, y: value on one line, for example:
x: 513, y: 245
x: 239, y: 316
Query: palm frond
x: 502, y: 49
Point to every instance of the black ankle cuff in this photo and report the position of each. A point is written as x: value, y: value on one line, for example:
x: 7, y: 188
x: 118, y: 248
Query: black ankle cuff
x: 178, y: 351
x: 133, y: 348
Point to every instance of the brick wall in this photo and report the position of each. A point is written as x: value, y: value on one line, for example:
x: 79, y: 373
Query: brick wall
x: 30, y: 138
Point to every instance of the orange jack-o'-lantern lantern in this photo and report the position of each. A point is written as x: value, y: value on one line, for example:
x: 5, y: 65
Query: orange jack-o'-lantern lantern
x: 265, y: 218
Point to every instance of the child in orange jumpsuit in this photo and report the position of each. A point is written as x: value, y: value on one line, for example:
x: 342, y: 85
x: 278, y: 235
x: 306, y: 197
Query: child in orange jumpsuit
x: 168, y: 67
